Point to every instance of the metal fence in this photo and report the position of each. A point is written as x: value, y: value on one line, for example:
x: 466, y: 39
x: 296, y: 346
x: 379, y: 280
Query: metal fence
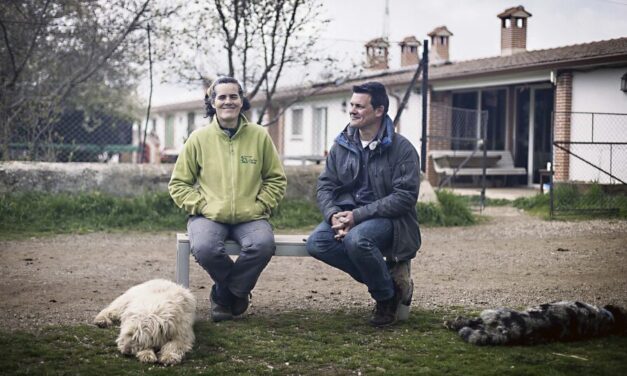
x: 456, y: 128
x: 72, y: 136
x: 596, y: 164
x: 459, y: 129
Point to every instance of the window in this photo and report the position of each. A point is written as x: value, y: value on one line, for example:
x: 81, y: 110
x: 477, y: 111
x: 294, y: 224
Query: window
x: 464, y: 130
x: 297, y: 124
x: 494, y: 102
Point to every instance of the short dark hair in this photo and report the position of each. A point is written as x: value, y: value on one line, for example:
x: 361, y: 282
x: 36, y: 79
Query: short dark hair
x: 377, y: 92
x: 210, y: 96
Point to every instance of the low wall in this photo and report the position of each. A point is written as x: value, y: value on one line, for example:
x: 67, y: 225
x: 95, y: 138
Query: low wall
x: 125, y: 179
x: 120, y: 179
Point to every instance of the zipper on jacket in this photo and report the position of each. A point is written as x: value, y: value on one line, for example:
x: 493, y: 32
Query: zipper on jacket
x: 231, y: 151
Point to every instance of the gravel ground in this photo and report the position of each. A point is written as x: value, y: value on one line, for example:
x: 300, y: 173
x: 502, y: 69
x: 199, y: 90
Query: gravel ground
x: 510, y: 260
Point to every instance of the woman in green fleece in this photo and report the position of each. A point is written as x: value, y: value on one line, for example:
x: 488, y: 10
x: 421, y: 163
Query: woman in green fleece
x: 229, y: 178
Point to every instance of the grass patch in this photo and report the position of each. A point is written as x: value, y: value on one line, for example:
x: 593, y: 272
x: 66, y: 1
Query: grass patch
x: 475, y: 200
x: 40, y: 213
x: 36, y: 214
x: 311, y: 343
x: 296, y: 214
x: 575, y: 202
x: 452, y: 210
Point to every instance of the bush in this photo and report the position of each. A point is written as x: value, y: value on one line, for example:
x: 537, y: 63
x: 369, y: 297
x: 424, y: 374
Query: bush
x: 452, y: 210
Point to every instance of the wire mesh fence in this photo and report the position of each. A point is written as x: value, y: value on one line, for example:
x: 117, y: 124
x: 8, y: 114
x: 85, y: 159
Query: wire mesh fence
x: 596, y: 164
x: 72, y: 136
x: 454, y: 128
x: 456, y: 145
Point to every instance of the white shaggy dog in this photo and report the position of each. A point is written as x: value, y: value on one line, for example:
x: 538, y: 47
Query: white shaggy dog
x: 155, y: 316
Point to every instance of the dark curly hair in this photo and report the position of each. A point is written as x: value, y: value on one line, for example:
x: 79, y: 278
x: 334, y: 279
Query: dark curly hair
x: 210, y: 96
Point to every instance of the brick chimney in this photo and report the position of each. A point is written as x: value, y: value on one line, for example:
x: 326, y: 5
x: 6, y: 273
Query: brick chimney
x: 409, y: 51
x: 377, y: 54
x: 440, y: 45
x: 514, y: 30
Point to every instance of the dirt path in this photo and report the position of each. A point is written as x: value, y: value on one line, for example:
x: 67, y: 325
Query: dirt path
x: 511, y: 260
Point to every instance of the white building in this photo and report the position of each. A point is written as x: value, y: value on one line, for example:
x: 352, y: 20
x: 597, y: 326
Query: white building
x: 526, y: 99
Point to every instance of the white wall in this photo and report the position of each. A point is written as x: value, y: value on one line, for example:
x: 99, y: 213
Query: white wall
x: 338, y: 118
x: 598, y: 91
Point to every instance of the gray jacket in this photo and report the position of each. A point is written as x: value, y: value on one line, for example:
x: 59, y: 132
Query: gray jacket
x: 394, y: 175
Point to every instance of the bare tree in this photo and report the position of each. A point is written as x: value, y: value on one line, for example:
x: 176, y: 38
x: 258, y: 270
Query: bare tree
x: 255, y: 40
x: 53, y: 51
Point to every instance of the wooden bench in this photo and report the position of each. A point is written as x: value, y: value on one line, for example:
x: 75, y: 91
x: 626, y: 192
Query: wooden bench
x: 286, y: 245
x: 469, y: 163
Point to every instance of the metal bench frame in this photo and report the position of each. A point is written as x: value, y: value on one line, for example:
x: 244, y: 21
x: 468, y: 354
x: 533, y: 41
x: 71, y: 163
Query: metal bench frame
x: 286, y: 245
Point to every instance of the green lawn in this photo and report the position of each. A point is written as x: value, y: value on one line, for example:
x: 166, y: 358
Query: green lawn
x: 311, y: 343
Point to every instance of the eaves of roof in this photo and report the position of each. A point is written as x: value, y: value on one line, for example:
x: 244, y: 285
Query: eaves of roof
x: 193, y: 105
x: 580, y: 55
x: 613, y: 51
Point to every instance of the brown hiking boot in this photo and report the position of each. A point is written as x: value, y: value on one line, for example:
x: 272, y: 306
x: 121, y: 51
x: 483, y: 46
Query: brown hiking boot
x: 384, y: 313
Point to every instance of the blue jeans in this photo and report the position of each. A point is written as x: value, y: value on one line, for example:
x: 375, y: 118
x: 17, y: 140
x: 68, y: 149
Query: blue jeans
x: 238, y: 277
x: 358, y: 254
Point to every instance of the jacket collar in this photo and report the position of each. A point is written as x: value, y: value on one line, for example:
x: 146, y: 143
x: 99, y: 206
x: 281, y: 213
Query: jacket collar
x: 243, y: 122
x: 385, y: 135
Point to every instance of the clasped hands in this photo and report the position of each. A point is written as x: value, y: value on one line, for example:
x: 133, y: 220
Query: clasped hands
x: 341, y: 223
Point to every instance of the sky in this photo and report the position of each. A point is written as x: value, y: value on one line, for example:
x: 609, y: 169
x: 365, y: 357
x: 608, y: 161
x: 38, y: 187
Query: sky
x: 474, y: 24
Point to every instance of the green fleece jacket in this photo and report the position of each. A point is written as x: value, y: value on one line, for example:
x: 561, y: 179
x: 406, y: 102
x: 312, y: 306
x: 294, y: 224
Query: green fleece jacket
x: 228, y: 180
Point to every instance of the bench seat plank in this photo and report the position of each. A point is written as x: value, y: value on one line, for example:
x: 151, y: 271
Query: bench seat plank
x: 504, y: 165
x: 286, y: 245
x: 478, y: 171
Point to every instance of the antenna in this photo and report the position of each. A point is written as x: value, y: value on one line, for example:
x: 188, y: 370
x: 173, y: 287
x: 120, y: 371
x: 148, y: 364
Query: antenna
x: 386, y: 21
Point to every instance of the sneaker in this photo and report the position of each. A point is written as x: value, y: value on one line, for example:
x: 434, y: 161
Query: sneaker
x: 240, y: 305
x: 385, y: 310
x: 219, y: 312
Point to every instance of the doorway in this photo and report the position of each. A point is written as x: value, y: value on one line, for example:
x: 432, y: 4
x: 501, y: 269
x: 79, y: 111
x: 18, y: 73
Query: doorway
x: 534, y: 111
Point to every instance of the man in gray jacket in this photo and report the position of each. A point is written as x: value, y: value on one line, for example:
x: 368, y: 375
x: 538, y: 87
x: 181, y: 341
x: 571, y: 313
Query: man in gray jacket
x: 367, y: 194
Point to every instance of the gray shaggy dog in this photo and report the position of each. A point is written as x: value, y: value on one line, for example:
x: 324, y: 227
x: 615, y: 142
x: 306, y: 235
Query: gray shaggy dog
x: 559, y: 321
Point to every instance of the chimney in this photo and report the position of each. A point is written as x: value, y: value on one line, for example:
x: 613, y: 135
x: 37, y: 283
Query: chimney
x: 513, y: 30
x: 409, y: 51
x: 377, y: 54
x: 440, y: 44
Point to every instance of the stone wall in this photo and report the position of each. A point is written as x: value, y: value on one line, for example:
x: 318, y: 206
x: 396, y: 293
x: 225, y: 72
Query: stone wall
x: 134, y: 179
x: 119, y: 179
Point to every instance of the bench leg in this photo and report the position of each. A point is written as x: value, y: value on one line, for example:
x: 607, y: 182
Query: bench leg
x: 182, y: 263
x: 401, y: 273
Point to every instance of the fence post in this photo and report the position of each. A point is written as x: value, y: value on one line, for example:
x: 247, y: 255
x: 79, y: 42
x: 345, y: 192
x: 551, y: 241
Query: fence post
x: 425, y: 93
x: 592, y: 128
x: 552, y: 167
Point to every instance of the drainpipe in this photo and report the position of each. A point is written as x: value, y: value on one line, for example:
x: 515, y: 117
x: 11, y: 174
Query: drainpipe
x: 398, y: 103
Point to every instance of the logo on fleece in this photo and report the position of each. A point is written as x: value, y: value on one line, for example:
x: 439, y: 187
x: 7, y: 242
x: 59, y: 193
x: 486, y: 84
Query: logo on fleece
x: 247, y: 159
